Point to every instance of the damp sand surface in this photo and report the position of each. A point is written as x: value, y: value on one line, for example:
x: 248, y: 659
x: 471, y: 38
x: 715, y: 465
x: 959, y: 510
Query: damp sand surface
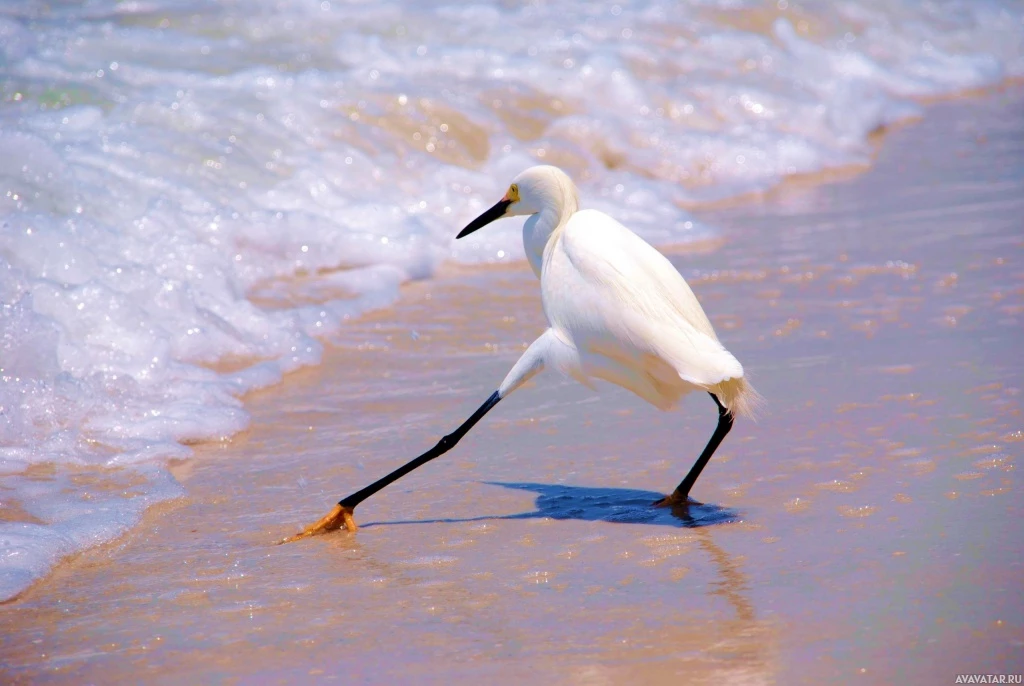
x: 866, y: 530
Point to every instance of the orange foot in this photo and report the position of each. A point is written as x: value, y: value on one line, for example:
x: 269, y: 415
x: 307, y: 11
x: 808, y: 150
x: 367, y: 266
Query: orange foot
x: 335, y: 519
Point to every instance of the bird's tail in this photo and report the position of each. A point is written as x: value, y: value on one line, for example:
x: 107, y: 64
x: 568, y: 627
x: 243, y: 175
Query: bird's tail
x: 739, y: 397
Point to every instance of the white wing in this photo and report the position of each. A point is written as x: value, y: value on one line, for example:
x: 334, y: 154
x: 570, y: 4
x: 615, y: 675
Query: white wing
x: 614, y: 295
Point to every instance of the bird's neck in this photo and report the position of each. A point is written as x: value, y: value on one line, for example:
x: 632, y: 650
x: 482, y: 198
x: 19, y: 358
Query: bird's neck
x: 541, y: 227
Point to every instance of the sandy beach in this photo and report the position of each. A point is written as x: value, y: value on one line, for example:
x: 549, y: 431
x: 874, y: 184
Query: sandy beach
x: 866, y: 530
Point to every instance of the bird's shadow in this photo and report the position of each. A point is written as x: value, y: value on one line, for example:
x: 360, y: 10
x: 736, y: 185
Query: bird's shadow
x: 613, y: 505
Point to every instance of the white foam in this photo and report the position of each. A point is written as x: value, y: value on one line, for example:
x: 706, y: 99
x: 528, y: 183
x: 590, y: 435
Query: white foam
x: 175, y: 192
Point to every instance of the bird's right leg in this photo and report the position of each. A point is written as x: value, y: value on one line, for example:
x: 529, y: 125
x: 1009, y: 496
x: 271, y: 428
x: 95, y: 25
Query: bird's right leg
x: 681, y: 495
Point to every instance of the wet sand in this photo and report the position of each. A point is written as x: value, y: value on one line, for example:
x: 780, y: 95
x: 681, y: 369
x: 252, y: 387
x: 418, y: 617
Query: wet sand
x: 866, y: 530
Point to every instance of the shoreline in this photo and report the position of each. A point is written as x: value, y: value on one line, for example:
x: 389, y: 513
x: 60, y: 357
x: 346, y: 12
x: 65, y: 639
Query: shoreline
x: 477, y: 317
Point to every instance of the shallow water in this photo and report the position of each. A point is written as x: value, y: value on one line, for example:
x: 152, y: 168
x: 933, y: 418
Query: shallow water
x: 219, y: 184
x: 866, y: 529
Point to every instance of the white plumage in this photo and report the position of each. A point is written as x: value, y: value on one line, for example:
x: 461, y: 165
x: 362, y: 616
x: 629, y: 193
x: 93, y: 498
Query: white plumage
x: 618, y: 309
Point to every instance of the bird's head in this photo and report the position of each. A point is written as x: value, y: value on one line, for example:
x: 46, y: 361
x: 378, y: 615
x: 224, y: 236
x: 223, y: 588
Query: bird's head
x: 534, y: 190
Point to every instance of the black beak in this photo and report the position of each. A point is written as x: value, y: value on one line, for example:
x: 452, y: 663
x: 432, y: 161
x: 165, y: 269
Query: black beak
x: 496, y: 212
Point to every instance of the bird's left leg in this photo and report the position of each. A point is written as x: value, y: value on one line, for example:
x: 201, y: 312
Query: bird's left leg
x: 681, y: 495
x: 341, y: 515
x: 529, y: 364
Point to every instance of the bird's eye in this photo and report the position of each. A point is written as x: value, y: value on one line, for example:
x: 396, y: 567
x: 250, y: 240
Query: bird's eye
x: 513, y: 193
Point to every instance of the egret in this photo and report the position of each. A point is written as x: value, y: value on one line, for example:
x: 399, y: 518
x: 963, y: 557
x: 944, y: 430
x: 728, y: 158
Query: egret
x: 618, y: 311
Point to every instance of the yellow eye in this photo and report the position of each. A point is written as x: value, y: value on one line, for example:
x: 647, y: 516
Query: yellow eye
x: 513, y: 193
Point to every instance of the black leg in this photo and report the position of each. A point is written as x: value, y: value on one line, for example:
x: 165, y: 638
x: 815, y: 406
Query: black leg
x: 444, y: 445
x: 682, y: 492
x: 341, y: 515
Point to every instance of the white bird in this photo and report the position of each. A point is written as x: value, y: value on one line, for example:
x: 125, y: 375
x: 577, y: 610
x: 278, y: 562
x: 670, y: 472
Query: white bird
x: 618, y: 311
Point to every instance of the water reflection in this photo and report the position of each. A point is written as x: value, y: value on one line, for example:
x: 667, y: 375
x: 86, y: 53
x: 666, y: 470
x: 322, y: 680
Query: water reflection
x: 731, y: 583
x: 706, y: 629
